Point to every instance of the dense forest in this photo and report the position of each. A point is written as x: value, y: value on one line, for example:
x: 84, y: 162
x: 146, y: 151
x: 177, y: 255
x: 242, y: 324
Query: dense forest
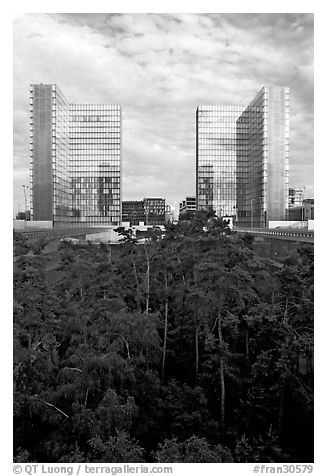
x: 186, y: 348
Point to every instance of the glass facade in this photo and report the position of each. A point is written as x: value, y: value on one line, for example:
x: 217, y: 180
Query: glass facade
x: 49, y: 146
x: 41, y: 143
x: 75, y: 160
x: 95, y: 163
x: 133, y: 212
x: 154, y: 211
x: 242, y: 158
x: 216, y: 158
x: 262, y: 150
x: 60, y: 164
x: 151, y: 211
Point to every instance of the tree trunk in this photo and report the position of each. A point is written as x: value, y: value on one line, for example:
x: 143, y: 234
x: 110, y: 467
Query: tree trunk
x: 196, y: 353
x: 247, y: 343
x: 29, y: 345
x: 165, y: 331
x: 180, y: 264
x: 195, y: 277
x: 221, y: 377
x: 282, y: 386
x: 86, y: 395
x: 147, y: 277
x: 138, y: 300
x: 81, y: 289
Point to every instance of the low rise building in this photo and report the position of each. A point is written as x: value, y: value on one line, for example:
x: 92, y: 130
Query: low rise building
x: 155, y: 209
x: 295, y: 197
x: 133, y: 211
x: 169, y: 214
x: 303, y: 213
x: 150, y: 211
x: 189, y: 204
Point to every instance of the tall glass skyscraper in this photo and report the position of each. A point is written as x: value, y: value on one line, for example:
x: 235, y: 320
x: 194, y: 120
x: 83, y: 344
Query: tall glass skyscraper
x: 242, y: 158
x: 94, y: 165
x: 262, y: 158
x: 75, y: 160
x: 49, y: 146
x: 216, y: 158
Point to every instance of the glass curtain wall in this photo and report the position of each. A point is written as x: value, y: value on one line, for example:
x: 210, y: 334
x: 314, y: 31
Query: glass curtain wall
x: 133, y: 212
x: 216, y: 158
x: 41, y: 151
x: 49, y: 150
x: 155, y: 209
x: 60, y: 164
x: 95, y: 164
x: 262, y: 158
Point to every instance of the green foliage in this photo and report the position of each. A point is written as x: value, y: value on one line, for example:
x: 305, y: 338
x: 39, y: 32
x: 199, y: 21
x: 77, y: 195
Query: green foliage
x: 127, y: 234
x: 193, y: 450
x: 259, y: 450
x: 116, y: 449
x: 23, y: 215
x: 197, y: 223
x: 167, y: 351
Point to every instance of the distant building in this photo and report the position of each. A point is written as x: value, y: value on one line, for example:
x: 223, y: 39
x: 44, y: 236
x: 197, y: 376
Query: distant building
x: 187, y: 205
x: 75, y: 160
x: 133, y: 212
x: 150, y: 211
x: 303, y: 213
x: 169, y: 214
x: 295, y: 197
x: 154, y: 211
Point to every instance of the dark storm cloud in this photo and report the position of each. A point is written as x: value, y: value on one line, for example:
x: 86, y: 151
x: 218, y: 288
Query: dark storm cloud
x: 159, y: 67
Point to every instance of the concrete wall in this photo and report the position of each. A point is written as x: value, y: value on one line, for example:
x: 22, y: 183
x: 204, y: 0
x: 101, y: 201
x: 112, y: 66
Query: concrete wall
x: 19, y: 224
x: 107, y: 236
x: 288, y: 224
x: 140, y: 226
x: 110, y: 236
x: 26, y: 225
x: 39, y: 224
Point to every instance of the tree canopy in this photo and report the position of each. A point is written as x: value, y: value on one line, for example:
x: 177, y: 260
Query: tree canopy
x: 186, y: 348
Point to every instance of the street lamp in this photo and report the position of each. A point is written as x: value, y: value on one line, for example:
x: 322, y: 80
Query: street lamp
x: 262, y: 224
x: 25, y: 199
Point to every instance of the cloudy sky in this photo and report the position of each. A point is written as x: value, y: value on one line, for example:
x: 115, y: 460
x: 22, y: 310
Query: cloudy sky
x: 159, y: 67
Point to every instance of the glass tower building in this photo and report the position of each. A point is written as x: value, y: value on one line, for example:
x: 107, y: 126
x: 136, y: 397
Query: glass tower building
x: 262, y: 158
x: 49, y: 147
x: 242, y: 158
x: 216, y: 158
x: 94, y: 164
x: 75, y: 160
